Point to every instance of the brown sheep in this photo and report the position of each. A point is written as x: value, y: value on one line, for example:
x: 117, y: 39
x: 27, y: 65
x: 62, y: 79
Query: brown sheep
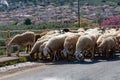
x: 24, y: 39
x: 37, y: 36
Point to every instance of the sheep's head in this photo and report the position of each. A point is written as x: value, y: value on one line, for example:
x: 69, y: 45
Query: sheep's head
x: 46, y: 50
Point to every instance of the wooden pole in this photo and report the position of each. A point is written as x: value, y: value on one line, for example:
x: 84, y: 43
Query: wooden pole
x: 78, y: 13
x: 7, y: 41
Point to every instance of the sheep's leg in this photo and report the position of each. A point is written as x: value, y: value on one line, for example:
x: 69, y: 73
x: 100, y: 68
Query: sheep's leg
x: 28, y: 48
x: 106, y: 50
x: 77, y: 55
x: 42, y: 56
x: 37, y: 55
x: 18, y: 53
x: 8, y: 50
x: 82, y: 56
x: 65, y: 53
x: 58, y: 56
x: 112, y: 52
x: 107, y: 54
x: 31, y: 55
x: 103, y: 54
x: 92, y: 52
x: 54, y: 56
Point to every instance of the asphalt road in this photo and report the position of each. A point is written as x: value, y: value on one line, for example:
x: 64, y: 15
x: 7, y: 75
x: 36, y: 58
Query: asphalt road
x: 98, y: 70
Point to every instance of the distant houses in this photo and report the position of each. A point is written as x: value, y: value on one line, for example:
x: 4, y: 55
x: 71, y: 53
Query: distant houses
x: 60, y: 14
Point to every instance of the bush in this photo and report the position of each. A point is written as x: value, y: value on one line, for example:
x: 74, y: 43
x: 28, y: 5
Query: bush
x: 8, y: 63
x: 118, y: 3
x: 27, y: 21
x: 23, y: 59
x: 114, y: 20
x: 86, y: 24
x: 2, y: 64
x: 2, y: 52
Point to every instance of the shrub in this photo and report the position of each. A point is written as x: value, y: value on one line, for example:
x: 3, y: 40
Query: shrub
x: 118, y: 3
x: 2, y: 64
x: 86, y: 24
x: 114, y: 20
x: 2, y: 52
x: 22, y: 59
x: 27, y: 21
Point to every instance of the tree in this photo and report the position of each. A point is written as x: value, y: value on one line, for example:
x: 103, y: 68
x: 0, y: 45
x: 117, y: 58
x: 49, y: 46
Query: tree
x: 114, y: 20
x: 118, y: 3
x: 103, y: 1
x: 27, y: 21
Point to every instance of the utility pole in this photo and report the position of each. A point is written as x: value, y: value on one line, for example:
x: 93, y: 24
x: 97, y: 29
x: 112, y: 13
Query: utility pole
x: 78, y: 13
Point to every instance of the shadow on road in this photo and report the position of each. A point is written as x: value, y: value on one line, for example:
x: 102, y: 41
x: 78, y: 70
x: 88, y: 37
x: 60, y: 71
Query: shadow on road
x: 87, y: 61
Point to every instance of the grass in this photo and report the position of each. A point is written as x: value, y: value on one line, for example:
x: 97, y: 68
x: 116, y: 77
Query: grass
x: 20, y: 60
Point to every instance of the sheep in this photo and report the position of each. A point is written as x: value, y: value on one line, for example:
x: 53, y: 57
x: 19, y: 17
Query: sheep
x: 118, y: 41
x: 35, y: 48
x: 24, y: 39
x: 41, y: 47
x: 107, y: 45
x: 39, y: 42
x: 69, y: 44
x: 84, y: 43
x: 102, y: 37
x: 50, y: 34
x: 37, y: 36
x: 54, y: 45
x: 81, y: 30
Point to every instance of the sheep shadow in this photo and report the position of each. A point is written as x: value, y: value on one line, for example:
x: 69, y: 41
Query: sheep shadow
x: 87, y: 61
x: 64, y: 62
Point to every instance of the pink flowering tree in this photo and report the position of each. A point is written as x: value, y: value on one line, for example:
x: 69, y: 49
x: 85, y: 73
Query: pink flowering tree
x: 113, y: 20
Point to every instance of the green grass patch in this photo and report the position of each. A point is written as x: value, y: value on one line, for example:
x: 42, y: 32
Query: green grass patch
x: 21, y: 60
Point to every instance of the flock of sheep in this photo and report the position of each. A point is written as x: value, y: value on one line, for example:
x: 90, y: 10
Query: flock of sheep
x: 70, y: 44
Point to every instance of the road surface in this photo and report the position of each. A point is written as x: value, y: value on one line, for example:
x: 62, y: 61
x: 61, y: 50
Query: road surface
x: 98, y: 70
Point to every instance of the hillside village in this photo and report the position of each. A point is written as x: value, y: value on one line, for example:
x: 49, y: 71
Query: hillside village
x: 61, y: 14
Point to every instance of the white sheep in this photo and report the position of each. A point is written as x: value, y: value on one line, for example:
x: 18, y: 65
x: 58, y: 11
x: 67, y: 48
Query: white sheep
x: 40, y: 41
x: 84, y: 43
x: 54, y: 45
x: 70, y: 44
x: 35, y: 48
x: 107, y: 46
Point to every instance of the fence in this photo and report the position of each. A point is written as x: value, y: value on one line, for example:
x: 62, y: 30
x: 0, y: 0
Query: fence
x: 8, y: 35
